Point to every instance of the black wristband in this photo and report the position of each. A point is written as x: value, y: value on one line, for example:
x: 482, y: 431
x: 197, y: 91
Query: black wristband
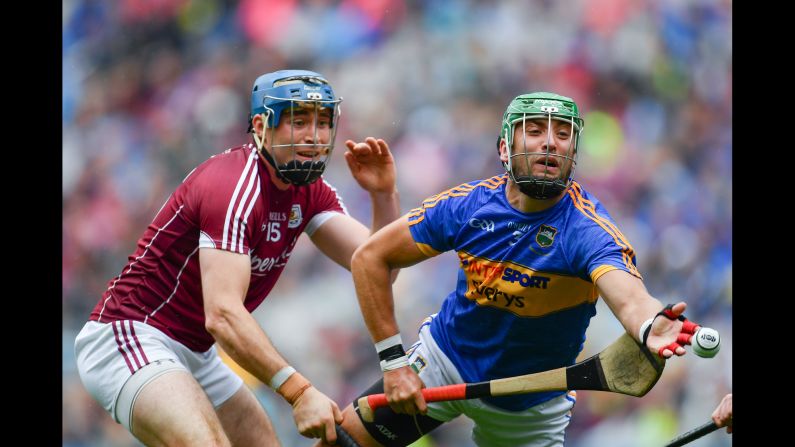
x: 391, y: 353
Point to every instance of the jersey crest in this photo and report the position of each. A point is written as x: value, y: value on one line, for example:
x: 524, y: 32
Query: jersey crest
x: 295, y: 216
x: 546, y: 235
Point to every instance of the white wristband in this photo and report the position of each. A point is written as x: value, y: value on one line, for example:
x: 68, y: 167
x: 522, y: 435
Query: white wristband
x: 643, y: 327
x: 388, y: 342
x: 280, y: 377
x: 389, y: 365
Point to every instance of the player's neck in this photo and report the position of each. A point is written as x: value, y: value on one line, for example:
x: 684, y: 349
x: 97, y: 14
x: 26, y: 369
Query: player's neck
x: 526, y: 204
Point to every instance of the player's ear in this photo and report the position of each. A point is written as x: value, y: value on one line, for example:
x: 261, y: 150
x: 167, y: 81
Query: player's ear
x: 258, y: 125
x: 502, y: 148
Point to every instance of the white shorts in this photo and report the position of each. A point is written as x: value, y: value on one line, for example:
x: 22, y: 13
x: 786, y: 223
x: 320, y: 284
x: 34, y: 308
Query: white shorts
x: 541, y: 425
x: 117, y: 360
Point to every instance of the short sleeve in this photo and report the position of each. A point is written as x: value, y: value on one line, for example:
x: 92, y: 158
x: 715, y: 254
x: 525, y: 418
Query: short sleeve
x: 223, y: 195
x: 600, y: 246
x: 435, y: 224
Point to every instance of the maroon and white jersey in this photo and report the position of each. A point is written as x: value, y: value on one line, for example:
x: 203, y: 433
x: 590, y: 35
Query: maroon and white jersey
x: 229, y: 203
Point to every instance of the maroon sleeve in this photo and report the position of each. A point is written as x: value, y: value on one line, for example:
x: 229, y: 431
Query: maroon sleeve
x: 225, y: 191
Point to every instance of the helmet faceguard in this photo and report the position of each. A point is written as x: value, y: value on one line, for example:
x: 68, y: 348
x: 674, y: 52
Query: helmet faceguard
x: 283, y: 94
x: 549, y: 106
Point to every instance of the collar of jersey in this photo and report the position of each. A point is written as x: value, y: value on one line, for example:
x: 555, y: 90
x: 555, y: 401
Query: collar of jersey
x: 549, y: 212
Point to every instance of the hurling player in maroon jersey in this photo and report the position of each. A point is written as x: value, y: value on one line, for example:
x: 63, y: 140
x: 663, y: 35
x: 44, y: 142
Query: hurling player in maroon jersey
x: 211, y: 255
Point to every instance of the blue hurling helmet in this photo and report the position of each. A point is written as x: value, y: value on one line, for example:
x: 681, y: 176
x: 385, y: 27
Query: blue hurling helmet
x: 286, y: 91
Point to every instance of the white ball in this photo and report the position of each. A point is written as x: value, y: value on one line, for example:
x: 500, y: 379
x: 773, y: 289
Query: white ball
x: 706, y: 342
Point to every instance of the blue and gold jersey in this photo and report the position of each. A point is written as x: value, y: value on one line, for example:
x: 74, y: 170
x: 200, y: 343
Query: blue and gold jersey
x: 526, y: 284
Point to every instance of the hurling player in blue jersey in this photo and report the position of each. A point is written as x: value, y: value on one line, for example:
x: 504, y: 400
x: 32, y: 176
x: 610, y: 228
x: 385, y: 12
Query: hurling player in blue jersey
x: 535, y: 252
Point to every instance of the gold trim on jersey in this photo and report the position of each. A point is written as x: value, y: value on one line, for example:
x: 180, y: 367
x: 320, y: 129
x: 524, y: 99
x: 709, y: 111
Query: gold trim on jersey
x: 521, y: 290
x: 587, y: 208
x: 601, y: 270
x: 461, y: 190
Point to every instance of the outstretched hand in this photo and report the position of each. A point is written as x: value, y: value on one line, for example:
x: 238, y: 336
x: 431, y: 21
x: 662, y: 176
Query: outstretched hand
x: 665, y: 333
x: 372, y: 165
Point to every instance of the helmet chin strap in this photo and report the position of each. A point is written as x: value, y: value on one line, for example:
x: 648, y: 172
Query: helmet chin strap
x: 263, y: 153
x: 539, y: 189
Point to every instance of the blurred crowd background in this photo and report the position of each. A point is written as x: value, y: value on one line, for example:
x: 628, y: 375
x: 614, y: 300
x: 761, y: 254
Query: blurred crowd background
x: 151, y: 88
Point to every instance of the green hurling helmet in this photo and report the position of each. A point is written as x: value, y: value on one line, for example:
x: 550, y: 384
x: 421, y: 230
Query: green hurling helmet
x: 546, y: 106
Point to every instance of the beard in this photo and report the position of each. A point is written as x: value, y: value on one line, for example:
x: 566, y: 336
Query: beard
x: 544, y: 185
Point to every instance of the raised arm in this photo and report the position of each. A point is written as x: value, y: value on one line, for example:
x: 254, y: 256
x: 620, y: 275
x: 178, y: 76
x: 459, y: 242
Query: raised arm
x: 225, y: 280
x: 629, y: 301
x: 373, y: 167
